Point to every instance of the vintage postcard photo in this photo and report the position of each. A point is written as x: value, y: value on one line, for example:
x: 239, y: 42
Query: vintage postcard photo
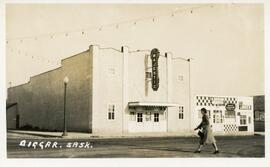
x: 157, y: 80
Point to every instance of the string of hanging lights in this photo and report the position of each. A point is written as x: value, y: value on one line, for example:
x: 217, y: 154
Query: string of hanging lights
x: 83, y: 31
x: 116, y: 25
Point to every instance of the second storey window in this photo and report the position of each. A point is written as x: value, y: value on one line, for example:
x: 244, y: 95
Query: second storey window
x: 111, y: 71
x: 180, y: 78
x: 111, y: 109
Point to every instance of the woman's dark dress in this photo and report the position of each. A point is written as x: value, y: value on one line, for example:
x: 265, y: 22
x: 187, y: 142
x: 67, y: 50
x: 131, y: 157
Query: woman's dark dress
x: 207, y: 131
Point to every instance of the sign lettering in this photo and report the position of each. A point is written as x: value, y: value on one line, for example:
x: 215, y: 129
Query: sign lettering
x: 230, y: 107
x: 155, y: 78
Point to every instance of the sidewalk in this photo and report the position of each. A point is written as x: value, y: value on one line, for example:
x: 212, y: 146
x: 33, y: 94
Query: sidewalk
x: 78, y: 135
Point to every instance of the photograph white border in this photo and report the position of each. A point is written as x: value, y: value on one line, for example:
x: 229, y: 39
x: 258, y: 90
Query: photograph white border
x: 117, y: 162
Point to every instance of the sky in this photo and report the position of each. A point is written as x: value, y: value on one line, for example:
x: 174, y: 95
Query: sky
x: 225, y: 41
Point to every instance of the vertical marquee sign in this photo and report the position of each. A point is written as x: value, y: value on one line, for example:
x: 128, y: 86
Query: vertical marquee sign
x: 155, y: 77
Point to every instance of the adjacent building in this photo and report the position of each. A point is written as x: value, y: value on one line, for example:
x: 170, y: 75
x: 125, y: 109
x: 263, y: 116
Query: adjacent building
x: 259, y: 113
x: 114, y: 91
x: 227, y: 114
x: 259, y: 108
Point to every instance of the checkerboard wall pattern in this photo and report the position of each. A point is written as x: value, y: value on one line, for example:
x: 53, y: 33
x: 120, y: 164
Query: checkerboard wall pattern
x: 207, y: 100
x: 230, y: 128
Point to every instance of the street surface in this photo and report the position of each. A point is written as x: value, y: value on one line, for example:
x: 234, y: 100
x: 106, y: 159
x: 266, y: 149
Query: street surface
x: 230, y: 146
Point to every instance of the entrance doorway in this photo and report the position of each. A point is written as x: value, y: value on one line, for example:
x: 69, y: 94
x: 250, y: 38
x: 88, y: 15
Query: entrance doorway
x: 147, y: 121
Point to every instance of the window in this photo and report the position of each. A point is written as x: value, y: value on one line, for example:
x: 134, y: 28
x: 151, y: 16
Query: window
x: 217, y: 116
x: 261, y: 117
x: 148, y: 75
x: 181, y: 112
x: 139, y: 117
x: 180, y: 78
x: 208, y: 114
x: 156, y: 117
x: 240, y: 105
x: 111, y: 71
x: 243, y: 120
x: 111, y: 109
x: 249, y: 120
x: 243, y: 106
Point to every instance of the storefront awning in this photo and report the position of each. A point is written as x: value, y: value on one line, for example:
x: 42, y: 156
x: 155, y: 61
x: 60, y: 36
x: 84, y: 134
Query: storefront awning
x: 152, y: 104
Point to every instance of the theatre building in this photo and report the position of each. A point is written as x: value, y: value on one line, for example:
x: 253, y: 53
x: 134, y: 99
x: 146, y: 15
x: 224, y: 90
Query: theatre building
x: 109, y: 91
x: 121, y: 91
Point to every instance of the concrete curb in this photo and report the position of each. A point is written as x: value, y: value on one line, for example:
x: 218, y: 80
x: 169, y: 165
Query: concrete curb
x: 91, y: 136
x: 34, y: 134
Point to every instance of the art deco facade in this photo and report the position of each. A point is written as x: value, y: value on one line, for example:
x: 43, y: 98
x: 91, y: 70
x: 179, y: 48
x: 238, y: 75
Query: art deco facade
x: 114, y: 91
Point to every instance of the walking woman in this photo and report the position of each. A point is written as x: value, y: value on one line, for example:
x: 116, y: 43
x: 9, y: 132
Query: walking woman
x: 207, y: 135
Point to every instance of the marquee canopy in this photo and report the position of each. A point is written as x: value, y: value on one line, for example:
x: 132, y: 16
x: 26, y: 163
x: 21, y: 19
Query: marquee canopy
x: 162, y: 105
